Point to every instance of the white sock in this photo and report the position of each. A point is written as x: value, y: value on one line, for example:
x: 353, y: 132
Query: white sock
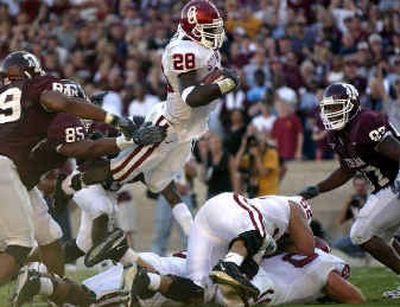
x: 129, y: 257
x: 46, y: 286
x: 155, y: 281
x: 234, y: 257
x: 183, y: 216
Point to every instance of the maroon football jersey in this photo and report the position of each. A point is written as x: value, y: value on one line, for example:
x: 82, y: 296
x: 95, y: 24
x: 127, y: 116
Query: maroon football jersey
x: 23, y: 120
x: 356, y: 147
x: 65, y: 128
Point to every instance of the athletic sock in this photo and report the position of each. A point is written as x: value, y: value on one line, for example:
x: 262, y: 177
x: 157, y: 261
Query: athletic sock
x: 155, y: 281
x: 234, y: 257
x: 129, y: 257
x: 183, y: 216
x: 46, y: 286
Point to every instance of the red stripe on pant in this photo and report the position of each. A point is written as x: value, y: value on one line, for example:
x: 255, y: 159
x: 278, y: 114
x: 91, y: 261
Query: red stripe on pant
x: 251, y: 214
x: 133, y: 153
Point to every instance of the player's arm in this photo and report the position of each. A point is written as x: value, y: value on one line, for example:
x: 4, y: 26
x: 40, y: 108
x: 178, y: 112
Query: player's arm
x: 336, y: 179
x: 57, y: 102
x: 299, y: 231
x: 89, y: 148
x: 196, y: 95
x: 342, y: 291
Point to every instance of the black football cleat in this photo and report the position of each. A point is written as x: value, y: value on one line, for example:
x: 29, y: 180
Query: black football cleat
x: 228, y: 273
x: 113, y: 247
x: 140, y: 285
x: 27, y: 286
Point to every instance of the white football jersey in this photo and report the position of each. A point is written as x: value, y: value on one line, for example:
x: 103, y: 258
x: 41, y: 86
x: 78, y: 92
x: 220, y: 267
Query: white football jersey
x: 275, y: 210
x: 296, y: 279
x: 181, y: 56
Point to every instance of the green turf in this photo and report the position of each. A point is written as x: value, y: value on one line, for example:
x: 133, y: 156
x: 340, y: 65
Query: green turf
x: 372, y: 281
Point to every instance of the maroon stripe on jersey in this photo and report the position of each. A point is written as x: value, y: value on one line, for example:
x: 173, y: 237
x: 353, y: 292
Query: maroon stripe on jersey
x: 181, y: 254
x: 145, y: 155
x: 133, y: 153
x: 260, y: 217
x: 127, y: 159
x: 251, y: 214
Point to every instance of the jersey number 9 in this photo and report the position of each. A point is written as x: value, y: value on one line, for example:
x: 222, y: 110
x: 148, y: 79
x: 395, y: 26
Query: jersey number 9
x: 10, y: 105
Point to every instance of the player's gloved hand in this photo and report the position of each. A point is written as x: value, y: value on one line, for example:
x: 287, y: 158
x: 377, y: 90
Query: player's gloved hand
x: 309, y: 192
x: 97, y: 98
x: 230, y: 82
x: 148, y: 134
x: 125, y: 125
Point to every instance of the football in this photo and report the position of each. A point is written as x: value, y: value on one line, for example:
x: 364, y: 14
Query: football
x: 213, y: 76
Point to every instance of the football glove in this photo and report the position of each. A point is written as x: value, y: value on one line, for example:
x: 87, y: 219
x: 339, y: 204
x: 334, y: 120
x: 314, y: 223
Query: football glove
x: 148, y: 134
x: 309, y: 192
x: 97, y: 98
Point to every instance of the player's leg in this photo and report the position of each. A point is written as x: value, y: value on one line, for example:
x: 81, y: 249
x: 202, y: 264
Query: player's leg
x: 375, y: 226
x: 61, y: 291
x: 47, y: 233
x: 16, y: 227
x: 160, y: 179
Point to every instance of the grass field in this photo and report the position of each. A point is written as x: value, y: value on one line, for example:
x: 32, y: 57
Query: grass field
x: 372, y: 281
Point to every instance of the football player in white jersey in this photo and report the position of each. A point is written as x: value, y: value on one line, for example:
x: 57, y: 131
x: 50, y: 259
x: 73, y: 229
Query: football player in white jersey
x: 286, y: 278
x: 238, y: 230
x: 191, y: 64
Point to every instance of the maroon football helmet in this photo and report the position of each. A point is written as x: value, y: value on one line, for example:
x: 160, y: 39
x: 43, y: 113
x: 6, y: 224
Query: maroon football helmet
x: 339, y: 105
x: 201, y: 21
x: 20, y: 65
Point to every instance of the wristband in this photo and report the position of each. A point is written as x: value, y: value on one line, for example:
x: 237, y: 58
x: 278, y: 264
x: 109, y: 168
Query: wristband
x: 226, y: 85
x: 111, y: 119
x: 123, y: 143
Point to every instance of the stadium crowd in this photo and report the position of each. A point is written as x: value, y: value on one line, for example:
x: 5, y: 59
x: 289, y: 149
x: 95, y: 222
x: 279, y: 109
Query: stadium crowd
x: 286, y: 53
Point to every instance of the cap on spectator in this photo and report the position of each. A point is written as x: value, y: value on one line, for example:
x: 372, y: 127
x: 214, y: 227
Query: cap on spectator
x: 286, y: 94
x: 362, y: 46
x: 374, y: 38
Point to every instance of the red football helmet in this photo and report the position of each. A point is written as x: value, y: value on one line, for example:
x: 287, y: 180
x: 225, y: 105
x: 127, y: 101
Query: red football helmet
x: 201, y: 21
x: 322, y: 244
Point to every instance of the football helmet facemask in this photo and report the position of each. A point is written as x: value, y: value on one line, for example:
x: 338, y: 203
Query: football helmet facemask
x: 339, y: 105
x: 201, y: 21
x: 19, y: 65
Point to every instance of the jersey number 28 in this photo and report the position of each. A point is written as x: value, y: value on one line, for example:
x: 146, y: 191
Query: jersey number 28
x: 10, y: 105
x: 183, y: 61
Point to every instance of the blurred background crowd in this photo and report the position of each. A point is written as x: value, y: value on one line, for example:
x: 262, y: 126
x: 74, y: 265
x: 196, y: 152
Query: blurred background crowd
x: 286, y: 51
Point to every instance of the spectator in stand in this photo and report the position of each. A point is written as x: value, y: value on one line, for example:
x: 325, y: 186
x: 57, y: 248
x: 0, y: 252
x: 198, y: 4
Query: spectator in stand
x: 392, y: 106
x: 265, y: 121
x: 258, y: 63
x: 287, y: 131
x: 351, y: 74
x: 349, y: 212
x: 258, y: 91
x: 217, y: 167
x: 237, y: 128
x: 143, y: 103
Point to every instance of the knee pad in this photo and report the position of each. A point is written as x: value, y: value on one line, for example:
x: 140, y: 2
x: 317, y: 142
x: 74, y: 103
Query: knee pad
x: 72, y: 251
x: 252, y: 240
x: 19, y: 253
x: 184, y: 290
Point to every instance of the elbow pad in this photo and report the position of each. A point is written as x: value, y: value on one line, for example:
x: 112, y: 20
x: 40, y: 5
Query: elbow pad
x: 186, y: 92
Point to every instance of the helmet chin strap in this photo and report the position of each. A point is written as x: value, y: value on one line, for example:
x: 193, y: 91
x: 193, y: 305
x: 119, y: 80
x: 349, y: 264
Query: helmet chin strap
x: 27, y: 74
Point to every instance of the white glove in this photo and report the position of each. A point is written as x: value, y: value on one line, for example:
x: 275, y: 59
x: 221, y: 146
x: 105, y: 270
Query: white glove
x: 122, y: 142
